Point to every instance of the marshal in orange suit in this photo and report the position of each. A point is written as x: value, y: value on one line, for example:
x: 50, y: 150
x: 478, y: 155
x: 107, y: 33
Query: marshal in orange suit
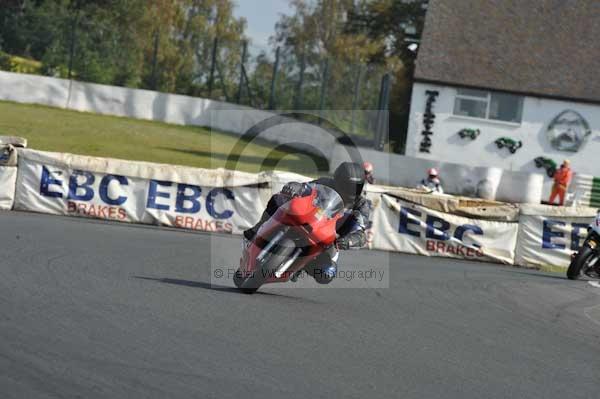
x: 562, y: 179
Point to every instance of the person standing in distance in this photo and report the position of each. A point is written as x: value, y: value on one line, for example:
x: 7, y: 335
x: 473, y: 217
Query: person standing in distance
x: 432, y: 182
x: 562, y: 179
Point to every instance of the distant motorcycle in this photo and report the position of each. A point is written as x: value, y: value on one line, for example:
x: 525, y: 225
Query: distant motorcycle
x: 297, y: 233
x: 585, y: 261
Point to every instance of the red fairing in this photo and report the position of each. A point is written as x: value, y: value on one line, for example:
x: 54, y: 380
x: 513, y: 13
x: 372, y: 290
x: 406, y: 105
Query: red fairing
x: 298, y: 211
x: 300, y: 217
x: 324, y: 232
x: 301, y: 211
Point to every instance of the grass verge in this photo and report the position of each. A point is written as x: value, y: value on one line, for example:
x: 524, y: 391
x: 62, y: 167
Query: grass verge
x: 54, y: 129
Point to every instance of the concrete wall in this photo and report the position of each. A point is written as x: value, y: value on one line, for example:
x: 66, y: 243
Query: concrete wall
x: 447, y: 146
x: 169, y: 108
x: 483, y: 182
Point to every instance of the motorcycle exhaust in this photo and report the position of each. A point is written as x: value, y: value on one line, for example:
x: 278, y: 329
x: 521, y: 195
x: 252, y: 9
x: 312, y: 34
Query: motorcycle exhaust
x: 270, y: 245
x: 288, y: 263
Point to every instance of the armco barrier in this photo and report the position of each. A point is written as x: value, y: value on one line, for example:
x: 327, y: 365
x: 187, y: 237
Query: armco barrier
x: 537, y: 236
x: 404, y: 220
x: 548, y: 235
x: 8, y: 179
x: 403, y: 226
x: 139, y: 192
x: 142, y: 192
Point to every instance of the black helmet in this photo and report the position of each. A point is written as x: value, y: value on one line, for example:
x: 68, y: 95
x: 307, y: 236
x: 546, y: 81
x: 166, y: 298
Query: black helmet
x: 349, y: 180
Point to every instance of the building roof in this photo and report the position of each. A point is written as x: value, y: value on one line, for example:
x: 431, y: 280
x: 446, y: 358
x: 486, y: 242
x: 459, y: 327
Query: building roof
x: 548, y: 48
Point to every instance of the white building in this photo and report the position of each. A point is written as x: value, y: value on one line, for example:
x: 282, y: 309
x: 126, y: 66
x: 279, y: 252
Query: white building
x: 506, y: 69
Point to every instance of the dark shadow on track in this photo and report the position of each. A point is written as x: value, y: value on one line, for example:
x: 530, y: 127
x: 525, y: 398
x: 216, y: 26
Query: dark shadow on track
x: 189, y: 283
x: 209, y: 286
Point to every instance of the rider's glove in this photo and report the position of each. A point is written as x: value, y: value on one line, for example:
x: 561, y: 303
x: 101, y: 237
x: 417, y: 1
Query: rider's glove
x: 293, y: 189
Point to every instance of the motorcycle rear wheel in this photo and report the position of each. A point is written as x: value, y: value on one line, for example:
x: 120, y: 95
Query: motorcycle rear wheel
x: 581, y: 260
x: 279, y: 254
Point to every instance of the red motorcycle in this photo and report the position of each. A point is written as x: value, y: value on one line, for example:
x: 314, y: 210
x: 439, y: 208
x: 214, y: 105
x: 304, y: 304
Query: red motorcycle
x: 296, y: 234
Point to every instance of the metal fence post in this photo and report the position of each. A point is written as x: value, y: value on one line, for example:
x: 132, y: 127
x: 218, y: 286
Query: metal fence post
x: 382, y: 114
x: 298, y: 99
x: 154, y: 79
x: 356, y: 97
x: 241, y: 84
x: 213, y: 62
x: 274, y: 80
x: 323, y: 88
x: 72, y: 45
x: 248, y: 88
x: 222, y: 80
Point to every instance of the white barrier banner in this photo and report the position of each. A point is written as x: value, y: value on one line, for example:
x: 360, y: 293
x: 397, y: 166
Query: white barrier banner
x: 56, y: 188
x: 405, y: 227
x: 547, y: 241
x: 8, y: 179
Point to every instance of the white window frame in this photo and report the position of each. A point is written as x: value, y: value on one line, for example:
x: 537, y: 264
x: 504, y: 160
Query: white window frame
x: 488, y: 100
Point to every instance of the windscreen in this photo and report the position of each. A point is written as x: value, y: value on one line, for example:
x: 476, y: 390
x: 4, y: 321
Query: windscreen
x: 327, y: 200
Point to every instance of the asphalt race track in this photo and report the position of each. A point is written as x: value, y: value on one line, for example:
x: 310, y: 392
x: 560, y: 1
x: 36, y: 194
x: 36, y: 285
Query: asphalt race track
x: 90, y: 309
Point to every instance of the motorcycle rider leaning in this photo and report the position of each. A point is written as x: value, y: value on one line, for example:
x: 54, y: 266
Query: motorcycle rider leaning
x: 348, y: 180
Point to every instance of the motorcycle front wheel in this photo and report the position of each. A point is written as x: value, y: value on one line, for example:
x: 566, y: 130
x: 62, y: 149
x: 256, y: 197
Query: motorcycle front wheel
x: 581, y: 260
x: 279, y: 254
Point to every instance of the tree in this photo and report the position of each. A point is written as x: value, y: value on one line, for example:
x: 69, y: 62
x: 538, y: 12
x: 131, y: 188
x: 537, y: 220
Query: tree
x: 96, y: 38
x: 163, y: 44
x: 397, y: 23
x: 183, y: 34
x: 330, y: 60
